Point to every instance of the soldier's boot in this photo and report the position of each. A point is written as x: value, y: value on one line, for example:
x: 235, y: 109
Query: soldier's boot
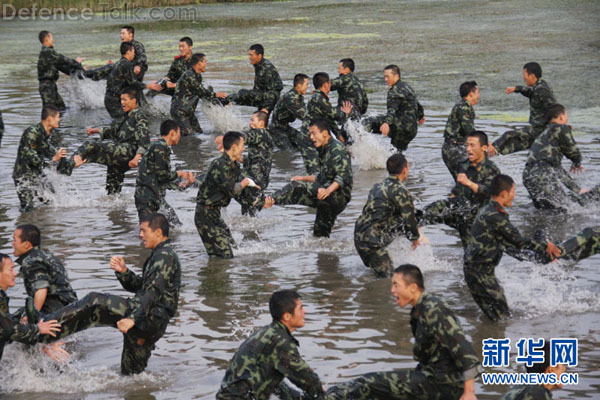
x: 114, y: 180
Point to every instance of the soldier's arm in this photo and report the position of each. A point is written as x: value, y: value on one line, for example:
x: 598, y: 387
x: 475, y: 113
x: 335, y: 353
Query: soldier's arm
x: 466, y: 119
x: 484, y: 185
x: 202, y: 91
x: 110, y: 131
x: 420, y: 111
x: 343, y: 168
x: 11, y: 330
x: 67, y: 65
x: 172, y: 74
x: 288, y: 362
x: 526, y: 91
x: 129, y: 280
x: 568, y: 146
x: 336, y: 84
x: 406, y: 209
x: 297, y: 108
x: 142, y: 134
x: 130, y: 77
x: 140, y: 56
x: 161, y: 166
x: 227, y: 185
x: 394, y: 102
x: 545, y: 96
x: 510, y: 236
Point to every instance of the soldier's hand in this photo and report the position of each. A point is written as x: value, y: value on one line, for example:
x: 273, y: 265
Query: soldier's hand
x: 91, y: 131
x: 385, y: 129
x: 78, y: 161
x: 269, y: 202
x: 491, y: 151
x: 137, y: 69
x: 154, y: 86
x: 575, y: 169
x: 56, y: 352
x: 415, y: 244
x: 110, y: 62
x: 117, y: 263
x: 221, y: 95
x: 422, y: 121
x: 582, y: 191
x: 135, y: 161
x: 125, y: 324
x: 80, y: 59
x: 552, y: 250
x: 219, y: 143
x: 61, y: 153
x: 463, y: 180
x: 323, y: 193
x: 468, y: 396
x: 171, y: 85
x: 49, y: 328
x: 510, y: 89
x: 346, y: 107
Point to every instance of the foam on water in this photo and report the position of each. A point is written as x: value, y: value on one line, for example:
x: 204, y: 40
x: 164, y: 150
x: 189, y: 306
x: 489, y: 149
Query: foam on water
x: 308, y: 243
x: 401, y: 252
x: 85, y: 93
x: 369, y: 151
x: 224, y: 119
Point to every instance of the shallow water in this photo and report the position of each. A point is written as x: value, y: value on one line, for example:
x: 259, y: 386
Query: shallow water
x: 352, y: 327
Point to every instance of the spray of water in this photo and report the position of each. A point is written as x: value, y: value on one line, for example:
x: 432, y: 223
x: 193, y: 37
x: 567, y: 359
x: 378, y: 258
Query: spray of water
x: 369, y: 151
x: 224, y: 119
x: 85, y: 93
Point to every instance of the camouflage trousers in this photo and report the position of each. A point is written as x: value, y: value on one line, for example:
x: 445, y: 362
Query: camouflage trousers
x: 305, y: 193
x: 453, y: 154
x: 114, y: 155
x: 486, y: 290
x: 214, y: 232
x: 401, y: 134
x: 255, y: 98
x: 50, y: 95
x: 99, y: 309
x: 112, y: 102
x: 375, y: 257
x: 403, y: 384
x: 284, y: 136
x: 456, y: 212
x: 516, y: 140
x: 146, y: 208
x: 546, y: 186
x: 583, y: 245
x: 309, y: 152
x: 186, y: 119
x: 32, y: 188
x: 259, y: 171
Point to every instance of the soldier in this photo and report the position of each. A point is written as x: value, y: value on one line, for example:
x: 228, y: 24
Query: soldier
x: 271, y: 354
x: 155, y: 175
x: 49, y: 63
x: 329, y: 190
x: 289, y: 108
x: 188, y: 92
x: 471, y: 192
x: 448, y: 364
x: 461, y: 122
x: 544, y: 176
x: 388, y: 212
x: 33, y: 154
x: 267, y: 83
x: 538, y: 392
x: 350, y: 89
x: 224, y: 180
x: 541, y: 98
x: 140, y: 62
x: 121, y: 76
x: 180, y: 64
x: 143, y: 318
x: 44, y: 276
x: 490, y: 234
x: 404, y: 112
x: 121, y: 145
x: 11, y: 328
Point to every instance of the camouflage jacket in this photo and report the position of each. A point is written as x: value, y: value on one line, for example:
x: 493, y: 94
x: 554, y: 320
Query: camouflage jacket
x: 349, y: 88
x: 34, y: 153
x: 491, y: 233
x: 50, y: 62
x: 527, y: 392
x: 178, y: 67
x: 263, y: 361
x: 155, y: 175
x: 157, y: 290
x: 289, y: 108
x: 11, y: 328
x: 441, y: 347
x: 131, y: 130
x: 550, y: 146
x: 266, y: 77
x: 402, y: 105
x: 388, y: 211
x: 319, y: 107
x: 335, y: 166
x: 260, y: 145
x: 482, y: 174
x: 140, y: 56
x: 121, y: 76
x: 221, y: 183
x: 461, y: 122
x: 190, y: 90
x: 540, y: 98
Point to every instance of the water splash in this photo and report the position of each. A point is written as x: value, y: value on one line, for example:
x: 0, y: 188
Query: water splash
x: 369, y: 151
x: 85, y: 93
x: 224, y: 119
x: 401, y: 252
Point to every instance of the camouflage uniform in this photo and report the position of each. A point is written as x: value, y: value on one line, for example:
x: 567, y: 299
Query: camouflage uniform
x: 121, y: 76
x: 446, y: 360
x: 350, y: 89
x: 266, y: 90
x: 11, y: 328
x: 33, y: 154
x: 49, y: 64
x: 460, y: 211
x: 140, y: 59
x: 257, y: 165
x: 583, y: 245
x: 527, y: 392
x: 289, y: 108
x: 490, y: 234
x: 188, y: 93
x: 388, y: 212
x: 178, y: 67
x: 154, y: 177
x: 461, y: 122
x: 42, y: 270
x: 544, y: 177
x: 119, y: 143
x: 403, y: 115
x: 154, y: 303
x: 221, y: 183
x: 99, y: 73
x: 262, y: 362
x: 334, y: 166
x: 541, y: 98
